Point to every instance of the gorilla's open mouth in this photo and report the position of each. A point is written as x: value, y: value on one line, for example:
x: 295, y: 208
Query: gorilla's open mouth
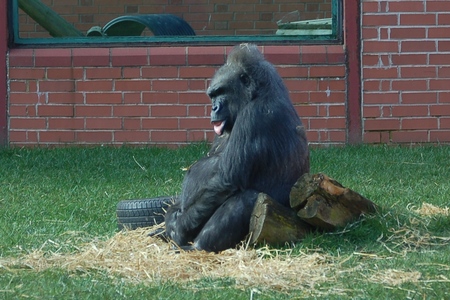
x: 219, y: 126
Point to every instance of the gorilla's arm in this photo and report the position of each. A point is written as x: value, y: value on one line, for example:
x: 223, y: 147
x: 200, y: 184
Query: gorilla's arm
x: 202, y: 193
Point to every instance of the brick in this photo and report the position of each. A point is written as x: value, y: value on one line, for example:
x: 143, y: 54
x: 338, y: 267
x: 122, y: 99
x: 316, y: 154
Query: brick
x: 327, y: 97
x: 294, y: 85
x: 53, y: 57
x: 440, y: 110
x: 417, y: 20
x: 382, y: 98
x: 65, y: 123
x: 168, y: 111
x: 57, y: 86
x: 159, y: 97
x: 415, y: 46
x: 439, y: 84
x: 129, y: 56
x: 15, y: 136
x: 439, y: 59
x: 103, y: 73
x: 132, y: 85
x: 55, y: 136
x: 103, y: 123
x: 371, y: 137
x: 131, y: 72
x: 380, y: 20
x: 198, y: 111
x: 91, y: 57
x: 197, y: 72
x: 65, y: 98
x: 419, y: 97
x: 289, y: 55
x: 167, y: 56
x: 169, y: 85
x: 160, y: 123
x: 371, y: 111
x: 131, y: 111
x: 444, y: 18
x: 410, y: 85
x: 26, y: 73
x: 21, y: 57
x: 408, y: 33
x: 380, y: 73
x: 419, y: 123
x: 443, y: 46
x: 95, y: 137
x: 133, y: 136
x: 55, y: 110
x: 132, y: 123
x: 160, y: 72
x: 381, y: 124
x: 418, y: 72
x: 409, y: 111
x: 441, y: 136
x: 438, y: 32
x: 194, y: 123
x: 380, y: 46
x: 94, y: 85
x: 132, y: 98
x: 293, y: 72
x: 64, y: 73
x: 23, y: 98
x: 335, y: 54
x: 168, y: 136
x: 409, y: 59
x: 93, y: 111
x: 327, y: 71
x: 213, y: 55
x: 19, y: 86
x: 438, y: 6
x: 313, y: 54
x: 406, y: 6
x: 444, y: 97
x: 409, y: 136
x: 27, y: 123
x: 329, y: 123
x: 444, y: 123
x: 103, y: 98
x: 193, y: 98
x: 197, y: 85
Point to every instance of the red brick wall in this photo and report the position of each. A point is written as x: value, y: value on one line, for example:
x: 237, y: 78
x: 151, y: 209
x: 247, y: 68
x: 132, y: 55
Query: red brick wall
x: 207, y: 17
x: 155, y: 95
x: 406, y: 71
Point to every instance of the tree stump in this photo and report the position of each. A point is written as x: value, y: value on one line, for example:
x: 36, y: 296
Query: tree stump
x: 317, y: 201
x: 324, y: 203
x: 273, y: 223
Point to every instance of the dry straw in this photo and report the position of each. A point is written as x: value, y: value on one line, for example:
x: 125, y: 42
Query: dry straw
x: 139, y: 258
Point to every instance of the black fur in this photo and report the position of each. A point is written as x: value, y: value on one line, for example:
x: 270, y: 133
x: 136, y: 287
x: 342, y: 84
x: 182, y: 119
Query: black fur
x: 261, y: 147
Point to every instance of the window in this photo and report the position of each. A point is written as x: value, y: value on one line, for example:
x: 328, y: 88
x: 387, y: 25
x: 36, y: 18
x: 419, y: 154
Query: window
x: 175, y: 21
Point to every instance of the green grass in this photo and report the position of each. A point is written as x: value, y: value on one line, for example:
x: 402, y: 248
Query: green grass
x: 58, y: 199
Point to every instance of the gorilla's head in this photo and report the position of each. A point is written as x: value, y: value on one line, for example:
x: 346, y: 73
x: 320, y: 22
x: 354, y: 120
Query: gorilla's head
x: 233, y: 86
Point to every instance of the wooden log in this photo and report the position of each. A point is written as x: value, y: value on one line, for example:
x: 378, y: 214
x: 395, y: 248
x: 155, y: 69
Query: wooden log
x: 273, y: 223
x: 47, y: 18
x: 324, y: 203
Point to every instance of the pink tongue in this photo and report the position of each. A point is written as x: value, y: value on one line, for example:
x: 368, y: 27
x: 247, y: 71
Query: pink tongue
x: 218, y: 127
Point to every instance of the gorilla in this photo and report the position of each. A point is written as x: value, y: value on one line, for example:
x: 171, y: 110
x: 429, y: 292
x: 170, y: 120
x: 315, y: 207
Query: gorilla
x: 260, y: 146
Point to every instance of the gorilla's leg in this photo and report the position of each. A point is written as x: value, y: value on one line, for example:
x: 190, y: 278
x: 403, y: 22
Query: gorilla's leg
x: 229, y: 225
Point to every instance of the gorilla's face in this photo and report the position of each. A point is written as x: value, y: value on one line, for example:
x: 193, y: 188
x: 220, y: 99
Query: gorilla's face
x: 230, y: 90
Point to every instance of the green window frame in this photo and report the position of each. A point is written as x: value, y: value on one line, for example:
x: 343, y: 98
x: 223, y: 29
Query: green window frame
x: 334, y: 37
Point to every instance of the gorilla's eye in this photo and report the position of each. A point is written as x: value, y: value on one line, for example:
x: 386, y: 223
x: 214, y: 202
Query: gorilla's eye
x: 245, y: 79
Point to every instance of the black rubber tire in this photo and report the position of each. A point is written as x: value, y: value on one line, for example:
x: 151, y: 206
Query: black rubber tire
x: 132, y: 214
